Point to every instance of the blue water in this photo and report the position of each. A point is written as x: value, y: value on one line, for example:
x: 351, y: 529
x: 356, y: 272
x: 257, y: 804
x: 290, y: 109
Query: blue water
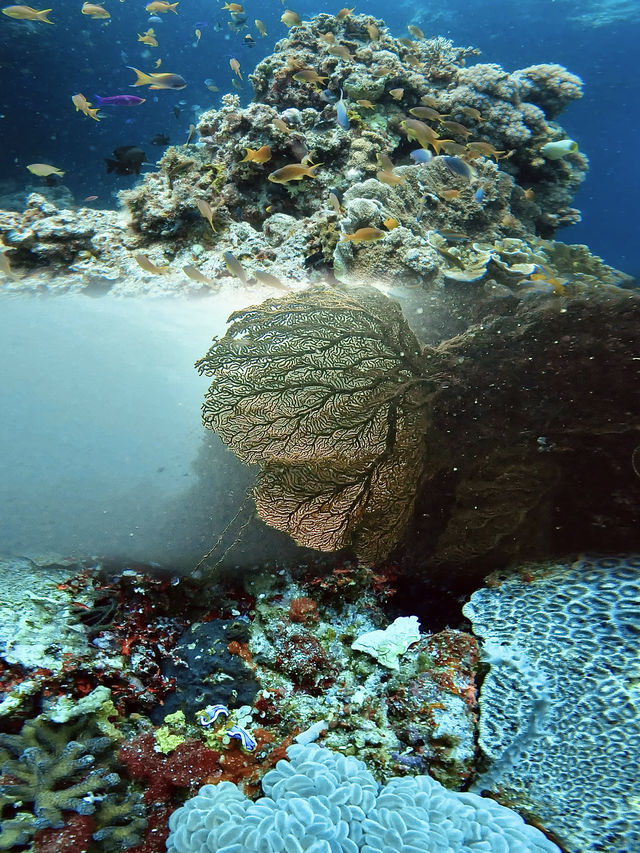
x: 43, y: 66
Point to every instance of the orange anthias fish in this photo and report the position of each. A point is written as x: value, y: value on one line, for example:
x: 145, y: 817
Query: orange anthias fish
x: 234, y: 7
x: 83, y: 106
x: 235, y: 67
x: 260, y: 27
x: 147, y: 264
x: 293, y: 172
x: 27, y: 13
x: 93, y: 10
x: 364, y: 235
x: 158, y: 81
x: 161, y: 6
x: 148, y: 37
x: 259, y: 155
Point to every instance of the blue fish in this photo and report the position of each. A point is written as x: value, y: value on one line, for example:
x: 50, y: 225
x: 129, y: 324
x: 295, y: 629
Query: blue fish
x: 479, y: 195
x: 341, y: 113
x: 248, y: 741
x: 420, y: 155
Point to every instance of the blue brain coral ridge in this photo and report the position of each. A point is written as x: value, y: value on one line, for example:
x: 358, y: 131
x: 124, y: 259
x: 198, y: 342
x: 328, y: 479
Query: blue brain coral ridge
x: 320, y: 801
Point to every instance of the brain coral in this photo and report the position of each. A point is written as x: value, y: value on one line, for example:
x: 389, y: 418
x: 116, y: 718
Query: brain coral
x: 559, y: 709
x: 323, y: 802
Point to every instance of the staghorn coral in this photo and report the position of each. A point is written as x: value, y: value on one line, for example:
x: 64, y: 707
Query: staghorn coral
x: 558, y: 708
x: 326, y: 392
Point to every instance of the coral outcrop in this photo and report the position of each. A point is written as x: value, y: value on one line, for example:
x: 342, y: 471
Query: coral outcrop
x: 559, y: 724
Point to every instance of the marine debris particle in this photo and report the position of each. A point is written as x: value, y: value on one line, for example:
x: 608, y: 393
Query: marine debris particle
x: 388, y: 646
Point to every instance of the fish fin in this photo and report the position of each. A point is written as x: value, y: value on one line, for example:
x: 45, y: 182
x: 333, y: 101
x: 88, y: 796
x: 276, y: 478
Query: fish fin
x: 141, y: 78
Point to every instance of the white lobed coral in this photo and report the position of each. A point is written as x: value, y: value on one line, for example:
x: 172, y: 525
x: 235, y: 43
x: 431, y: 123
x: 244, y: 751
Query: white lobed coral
x: 323, y: 802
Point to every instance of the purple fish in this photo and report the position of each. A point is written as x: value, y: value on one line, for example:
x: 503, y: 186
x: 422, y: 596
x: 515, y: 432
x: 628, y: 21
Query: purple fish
x: 119, y: 101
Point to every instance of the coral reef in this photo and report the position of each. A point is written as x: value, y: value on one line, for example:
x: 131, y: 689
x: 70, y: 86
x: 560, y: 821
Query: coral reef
x: 319, y: 794
x: 49, y: 770
x: 558, y: 708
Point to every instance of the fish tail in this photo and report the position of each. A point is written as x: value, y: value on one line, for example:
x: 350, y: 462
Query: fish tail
x: 99, y: 100
x: 173, y: 8
x: 42, y: 16
x: 315, y: 166
x: 142, y: 79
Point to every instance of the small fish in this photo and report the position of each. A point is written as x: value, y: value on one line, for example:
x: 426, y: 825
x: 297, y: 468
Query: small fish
x: 148, y: 38
x: 364, y: 235
x: 260, y: 27
x: 248, y: 41
x: 421, y: 155
x: 143, y: 261
x: 290, y: 18
x: 382, y: 71
x: 557, y: 150
x: 160, y: 139
x: 328, y: 37
x: 485, y: 149
x: 270, y: 280
x: 386, y: 177
x: 341, y: 112
x: 292, y: 172
x: 416, y: 32
x: 248, y: 741
x: 281, y: 125
x: 456, y: 127
x: 308, y: 75
x: 426, y: 113
x: 235, y: 67
x: 198, y: 35
x: 334, y: 201
x: 479, y: 194
x: 341, y: 51
x: 127, y: 160
x: 233, y: 7
x: 457, y: 166
x: 455, y: 149
x: 195, y: 275
x: 91, y: 198
x: 470, y: 112
x: 454, y: 236
x: 258, y: 155
x: 418, y: 130
x: 191, y: 135
x: 157, y: 63
x: 237, y: 85
x: 396, y: 94
x: 235, y: 267
x: 161, y: 6
x: 119, y: 100
x: 210, y: 84
x: 429, y: 101
x: 83, y: 106
x: 344, y: 13
x: 5, y: 266
x: 210, y: 714
x: 158, y: 81
x: 27, y: 13
x: 528, y: 194
x: 43, y: 170
x: 206, y: 212
x: 449, y: 195
x: 365, y: 104
x: 391, y: 223
x: 93, y: 10
x: 412, y: 60
x: 454, y: 260
x: 372, y: 31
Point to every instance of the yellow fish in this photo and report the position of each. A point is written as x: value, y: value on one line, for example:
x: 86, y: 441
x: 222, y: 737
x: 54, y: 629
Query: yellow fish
x: 235, y: 267
x: 365, y: 104
x: 198, y: 35
x: 364, y: 235
x: 205, y: 211
x: 235, y: 67
x: 281, y: 125
x: 344, y: 13
x: 259, y: 155
x: 292, y: 172
x: 95, y: 11
x: 82, y: 105
x: 161, y: 6
x: 158, y: 81
x: 391, y: 223
x: 308, y: 75
x: 260, y: 27
x: 396, y: 94
x: 43, y: 170
x: 148, y: 265
x: 234, y: 7
x: 157, y: 63
x: 485, y: 149
x: 416, y: 32
x: 290, y: 19
x: 27, y: 13
x: 373, y: 31
x: 195, y: 275
x: 148, y: 38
